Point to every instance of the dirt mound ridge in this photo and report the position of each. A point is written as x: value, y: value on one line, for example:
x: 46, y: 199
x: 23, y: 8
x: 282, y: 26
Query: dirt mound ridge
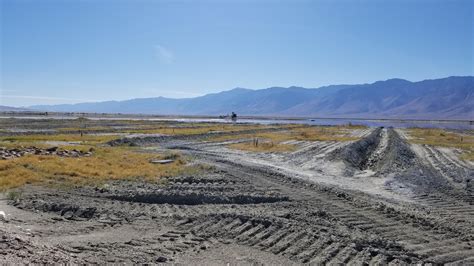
x: 382, y: 151
x: 357, y: 154
x: 397, y: 155
x: 193, y: 198
x: 192, y: 190
x: 67, y: 210
x: 6, y: 154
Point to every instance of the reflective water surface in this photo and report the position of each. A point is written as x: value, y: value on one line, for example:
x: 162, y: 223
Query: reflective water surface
x: 450, y: 124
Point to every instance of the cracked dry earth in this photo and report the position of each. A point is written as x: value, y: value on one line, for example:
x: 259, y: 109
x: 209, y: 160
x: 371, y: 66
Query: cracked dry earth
x: 376, y: 201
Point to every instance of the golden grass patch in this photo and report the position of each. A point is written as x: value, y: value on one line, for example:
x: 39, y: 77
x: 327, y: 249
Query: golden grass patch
x: 106, y: 164
x: 193, y: 130
x: 468, y: 156
x: 84, y: 139
x: 443, y: 138
x: 272, y: 141
x: 323, y: 133
x: 85, y: 129
x: 263, y: 146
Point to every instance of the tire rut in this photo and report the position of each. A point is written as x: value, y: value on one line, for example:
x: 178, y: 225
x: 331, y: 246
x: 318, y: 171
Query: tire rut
x: 388, y: 223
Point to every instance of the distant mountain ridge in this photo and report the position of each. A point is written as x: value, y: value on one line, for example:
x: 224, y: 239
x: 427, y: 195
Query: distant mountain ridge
x: 4, y: 108
x: 446, y: 98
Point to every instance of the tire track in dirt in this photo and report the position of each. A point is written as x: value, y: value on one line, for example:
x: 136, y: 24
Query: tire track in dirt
x: 306, y: 245
x: 459, y: 176
x: 445, y: 166
x: 410, y: 234
x: 277, y: 213
x: 310, y: 156
x: 354, y: 219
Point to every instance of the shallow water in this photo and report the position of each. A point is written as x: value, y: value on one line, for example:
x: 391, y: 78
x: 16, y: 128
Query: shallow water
x: 465, y: 125
x: 397, y: 123
x: 448, y: 124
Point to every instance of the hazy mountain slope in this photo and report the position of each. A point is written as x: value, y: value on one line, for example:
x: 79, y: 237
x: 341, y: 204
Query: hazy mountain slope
x: 442, y: 98
x: 4, y: 108
x: 244, y: 101
x: 451, y: 97
x: 266, y: 101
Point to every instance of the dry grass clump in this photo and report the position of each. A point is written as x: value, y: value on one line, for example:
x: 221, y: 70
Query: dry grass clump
x: 350, y: 125
x: 105, y: 164
x: 303, y: 133
x: 443, y: 138
x: 85, y: 129
x: 468, y: 156
x: 163, y: 128
x: 273, y: 141
x: 257, y: 145
x: 84, y: 138
x: 324, y: 133
x: 193, y: 129
x: 173, y: 155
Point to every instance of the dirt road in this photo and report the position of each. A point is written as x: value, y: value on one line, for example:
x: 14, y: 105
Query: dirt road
x: 379, y: 200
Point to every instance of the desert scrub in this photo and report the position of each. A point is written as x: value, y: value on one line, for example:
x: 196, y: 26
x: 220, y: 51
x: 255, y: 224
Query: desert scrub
x: 274, y: 141
x: 193, y: 130
x: 14, y: 195
x: 172, y: 155
x: 443, y: 138
x: 261, y: 145
x: 324, y: 133
x: 298, y: 132
x: 106, y: 163
x: 84, y: 139
x: 468, y: 156
x: 85, y: 129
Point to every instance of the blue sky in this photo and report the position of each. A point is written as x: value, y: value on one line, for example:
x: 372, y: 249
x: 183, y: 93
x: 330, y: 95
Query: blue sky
x: 69, y: 51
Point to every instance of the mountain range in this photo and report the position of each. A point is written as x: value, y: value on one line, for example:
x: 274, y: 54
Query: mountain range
x: 4, y: 108
x: 446, y: 98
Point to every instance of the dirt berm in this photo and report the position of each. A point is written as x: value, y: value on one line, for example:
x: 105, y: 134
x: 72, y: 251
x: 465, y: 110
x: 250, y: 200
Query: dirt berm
x: 357, y: 154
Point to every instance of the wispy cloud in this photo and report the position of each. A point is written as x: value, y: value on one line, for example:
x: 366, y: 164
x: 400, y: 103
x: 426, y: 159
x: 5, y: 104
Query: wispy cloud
x: 164, y: 54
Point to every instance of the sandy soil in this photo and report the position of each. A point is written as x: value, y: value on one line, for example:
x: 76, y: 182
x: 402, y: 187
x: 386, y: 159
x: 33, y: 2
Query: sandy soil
x: 377, y: 201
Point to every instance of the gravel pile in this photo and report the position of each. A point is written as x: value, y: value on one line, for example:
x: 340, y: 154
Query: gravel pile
x: 357, y: 154
x: 6, y: 154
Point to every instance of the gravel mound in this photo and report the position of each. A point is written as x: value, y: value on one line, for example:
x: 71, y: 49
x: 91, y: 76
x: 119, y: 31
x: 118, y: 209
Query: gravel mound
x: 383, y: 151
x: 6, y: 154
x: 357, y: 154
x: 398, y: 155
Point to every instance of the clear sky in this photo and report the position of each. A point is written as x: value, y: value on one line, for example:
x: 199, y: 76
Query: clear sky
x: 69, y: 51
